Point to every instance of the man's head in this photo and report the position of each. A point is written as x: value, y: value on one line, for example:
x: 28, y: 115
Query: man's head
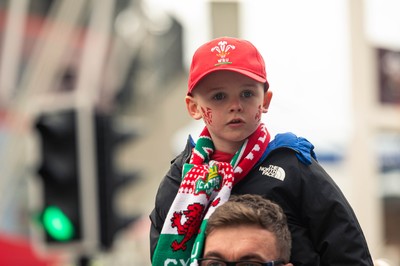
x: 228, y: 89
x: 250, y: 228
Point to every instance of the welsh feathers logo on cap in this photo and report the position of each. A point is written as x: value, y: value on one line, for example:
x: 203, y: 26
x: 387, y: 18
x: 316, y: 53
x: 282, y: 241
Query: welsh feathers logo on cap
x: 222, y: 52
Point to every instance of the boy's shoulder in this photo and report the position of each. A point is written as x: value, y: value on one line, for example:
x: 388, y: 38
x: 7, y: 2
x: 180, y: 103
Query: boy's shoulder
x: 303, y: 148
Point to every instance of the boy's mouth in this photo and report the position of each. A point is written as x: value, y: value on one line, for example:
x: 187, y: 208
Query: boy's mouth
x: 235, y: 121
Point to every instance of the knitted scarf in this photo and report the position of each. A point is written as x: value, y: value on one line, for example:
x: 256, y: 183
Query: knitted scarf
x: 206, y: 184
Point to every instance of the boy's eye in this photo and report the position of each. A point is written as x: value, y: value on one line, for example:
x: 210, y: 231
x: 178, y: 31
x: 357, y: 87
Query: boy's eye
x: 247, y: 94
x: 219, y: 96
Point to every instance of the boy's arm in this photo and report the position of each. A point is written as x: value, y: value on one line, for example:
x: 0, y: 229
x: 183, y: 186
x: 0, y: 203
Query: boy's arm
x: 165, y: 196
x: 334, y: 227
x: 324, y: 228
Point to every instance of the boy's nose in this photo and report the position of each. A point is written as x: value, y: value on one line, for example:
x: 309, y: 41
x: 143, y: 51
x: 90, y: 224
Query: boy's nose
x: 236, y: 107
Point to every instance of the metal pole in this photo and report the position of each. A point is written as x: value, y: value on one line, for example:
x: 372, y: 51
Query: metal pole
x: 87, y: 92
x: 11, y: 52
x: 50, y: 50
x: 9, y: 67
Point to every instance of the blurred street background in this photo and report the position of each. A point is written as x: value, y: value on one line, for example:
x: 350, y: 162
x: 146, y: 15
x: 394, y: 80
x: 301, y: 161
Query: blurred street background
x: 92, y: 112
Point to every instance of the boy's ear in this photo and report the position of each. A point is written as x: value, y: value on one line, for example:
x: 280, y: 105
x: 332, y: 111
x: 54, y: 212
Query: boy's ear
x: 267, y: 100
x: 192, y: 107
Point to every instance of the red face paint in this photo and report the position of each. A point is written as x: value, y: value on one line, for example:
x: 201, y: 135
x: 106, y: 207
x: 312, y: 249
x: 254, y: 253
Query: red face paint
x: 207, y: 115
x: 258, y: 114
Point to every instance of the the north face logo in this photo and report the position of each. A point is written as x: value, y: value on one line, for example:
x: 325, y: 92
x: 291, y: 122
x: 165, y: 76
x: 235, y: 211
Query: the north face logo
x: 273, y: 171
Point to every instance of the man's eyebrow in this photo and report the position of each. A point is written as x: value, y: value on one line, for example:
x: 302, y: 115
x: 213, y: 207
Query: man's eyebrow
x: 214, y: 254
x: 249, y: 256
x: 252, y: 256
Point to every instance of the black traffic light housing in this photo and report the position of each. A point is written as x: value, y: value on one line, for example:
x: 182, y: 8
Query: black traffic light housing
x: 109, y: 138
x: 59, y: 169
x: 62, y: 216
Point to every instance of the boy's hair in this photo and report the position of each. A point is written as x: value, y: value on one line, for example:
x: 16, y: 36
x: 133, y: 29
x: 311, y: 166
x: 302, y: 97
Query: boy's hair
x: 227, y: 53
x: 254, y: 210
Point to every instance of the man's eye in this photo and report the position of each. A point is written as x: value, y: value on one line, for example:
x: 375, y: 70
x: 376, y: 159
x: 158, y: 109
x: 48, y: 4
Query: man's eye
x: 219, y: 96
x: 214, y: 263
x: 247, y: 94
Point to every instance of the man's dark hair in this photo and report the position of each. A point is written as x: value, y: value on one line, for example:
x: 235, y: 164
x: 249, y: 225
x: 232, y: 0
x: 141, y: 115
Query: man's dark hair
x: 254, y: 210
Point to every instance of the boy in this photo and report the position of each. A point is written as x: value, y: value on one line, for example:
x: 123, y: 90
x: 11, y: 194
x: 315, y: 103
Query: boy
x: 250, y: 229
x: 228, y: 89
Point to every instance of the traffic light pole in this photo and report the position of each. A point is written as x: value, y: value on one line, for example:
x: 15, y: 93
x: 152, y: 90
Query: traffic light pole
x: 88, y: 182
x: 87, y: 92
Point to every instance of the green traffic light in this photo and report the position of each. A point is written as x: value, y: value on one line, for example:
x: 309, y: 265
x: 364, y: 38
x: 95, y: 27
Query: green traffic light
x: 57, y: 224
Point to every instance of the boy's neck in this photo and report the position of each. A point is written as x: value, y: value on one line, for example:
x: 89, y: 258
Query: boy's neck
x: 221, y: 156
x: 230, y: 148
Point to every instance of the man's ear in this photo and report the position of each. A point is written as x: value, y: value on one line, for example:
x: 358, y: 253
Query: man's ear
x: 267, y: 100
x: 192, y: 107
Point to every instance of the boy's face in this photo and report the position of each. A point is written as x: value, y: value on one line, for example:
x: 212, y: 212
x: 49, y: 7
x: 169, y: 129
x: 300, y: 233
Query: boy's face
x: 231, y: 106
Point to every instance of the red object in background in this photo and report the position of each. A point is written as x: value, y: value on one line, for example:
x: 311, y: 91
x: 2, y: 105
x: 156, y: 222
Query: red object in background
x: 18, y: 251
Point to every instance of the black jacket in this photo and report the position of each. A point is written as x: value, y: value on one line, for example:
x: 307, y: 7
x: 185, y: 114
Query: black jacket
x: 324, y: 228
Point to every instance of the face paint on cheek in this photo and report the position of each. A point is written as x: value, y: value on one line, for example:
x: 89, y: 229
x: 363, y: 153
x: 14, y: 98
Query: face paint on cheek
x: 207, y: 115
x: 258, y: 114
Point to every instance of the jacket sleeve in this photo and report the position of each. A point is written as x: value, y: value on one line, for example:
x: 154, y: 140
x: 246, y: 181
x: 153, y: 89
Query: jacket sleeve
x: 328, y: 232
x: 166, y: 193
x: 334, y: 229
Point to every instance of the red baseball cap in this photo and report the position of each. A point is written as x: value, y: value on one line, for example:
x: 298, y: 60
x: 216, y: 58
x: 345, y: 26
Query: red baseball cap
x: 227, y: 53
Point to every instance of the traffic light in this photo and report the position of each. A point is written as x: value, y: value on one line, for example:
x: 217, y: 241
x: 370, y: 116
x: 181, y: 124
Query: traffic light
x: 109, y: 138
x: 59, y: 170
